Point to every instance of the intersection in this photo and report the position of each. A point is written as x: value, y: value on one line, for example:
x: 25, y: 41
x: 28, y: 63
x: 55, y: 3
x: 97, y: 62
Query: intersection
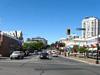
x: 32, y: 65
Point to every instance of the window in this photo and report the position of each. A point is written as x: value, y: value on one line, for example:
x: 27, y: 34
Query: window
x: 92, y: 23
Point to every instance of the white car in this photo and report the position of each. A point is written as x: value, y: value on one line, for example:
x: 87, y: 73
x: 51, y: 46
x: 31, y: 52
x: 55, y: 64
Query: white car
x: 54, y: 53
x: 17, y: 55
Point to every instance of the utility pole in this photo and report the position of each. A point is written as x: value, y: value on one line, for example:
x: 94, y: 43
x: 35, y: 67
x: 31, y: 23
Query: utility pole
x: 97, y: 59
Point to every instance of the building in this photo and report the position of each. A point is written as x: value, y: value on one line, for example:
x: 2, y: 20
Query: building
x: 89, y: 37
x: 69, y: 41
x: 91, y: 25
x: 43, y: 40
x: 91, y: 33
x: 8, y: 44
x: 63, y: 40
x: 15, y: 34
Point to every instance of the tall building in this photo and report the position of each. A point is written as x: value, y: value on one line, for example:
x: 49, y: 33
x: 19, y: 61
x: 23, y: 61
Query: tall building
x: 15, y: 34
x: 91, y: 25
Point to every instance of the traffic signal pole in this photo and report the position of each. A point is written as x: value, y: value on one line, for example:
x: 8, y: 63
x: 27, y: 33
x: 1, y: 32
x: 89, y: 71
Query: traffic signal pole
x: 97, y: 59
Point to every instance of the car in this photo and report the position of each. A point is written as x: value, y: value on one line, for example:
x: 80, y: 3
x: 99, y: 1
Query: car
x: 49, y: 52
x: 17, y: 55
x: 36, y: 52
x: 54, y: 53
x: 44, y: 55
x: 39, y: 52
x: 26, y: 53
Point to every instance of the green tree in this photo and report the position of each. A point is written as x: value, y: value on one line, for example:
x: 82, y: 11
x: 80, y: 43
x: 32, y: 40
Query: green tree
x: 26, y: 46
x: 61, y: 44
x: 38, y: 45
x: 33, y: 46
x: 82, y: 50
x: 52, y: 46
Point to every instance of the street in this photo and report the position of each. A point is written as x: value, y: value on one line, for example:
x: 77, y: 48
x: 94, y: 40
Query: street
x: 32, y: 65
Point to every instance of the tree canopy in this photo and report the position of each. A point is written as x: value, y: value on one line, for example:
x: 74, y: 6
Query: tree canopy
x: 33, y: 45
x: 82, y: 49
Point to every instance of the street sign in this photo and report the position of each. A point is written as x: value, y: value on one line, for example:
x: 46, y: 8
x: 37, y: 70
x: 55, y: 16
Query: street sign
x: 81, y: 29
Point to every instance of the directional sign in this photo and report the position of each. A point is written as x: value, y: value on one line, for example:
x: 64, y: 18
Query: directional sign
x: 81, y: 29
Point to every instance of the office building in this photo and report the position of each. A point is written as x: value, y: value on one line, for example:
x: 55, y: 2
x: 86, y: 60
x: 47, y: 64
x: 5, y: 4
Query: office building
x: 92, y: 27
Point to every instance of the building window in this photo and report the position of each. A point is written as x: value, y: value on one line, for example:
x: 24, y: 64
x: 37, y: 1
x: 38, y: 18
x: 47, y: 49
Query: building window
x: 84, y: 24
x: 92, y: 23
x: 92, y: 33
x: 84, y: 35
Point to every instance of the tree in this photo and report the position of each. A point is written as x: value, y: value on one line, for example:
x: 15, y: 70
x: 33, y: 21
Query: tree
x: 83, y: 50
x: 75, y: 48
x: 26, y: 46
x: 61, y: 44
x: 52, y: 45
x: 38, y: 45
x: 33, y: 46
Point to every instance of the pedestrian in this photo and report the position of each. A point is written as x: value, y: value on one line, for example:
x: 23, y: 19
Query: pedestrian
x: 68, y: 53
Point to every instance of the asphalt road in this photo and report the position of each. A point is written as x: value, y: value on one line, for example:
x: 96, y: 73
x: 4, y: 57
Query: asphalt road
x: 56, y: 66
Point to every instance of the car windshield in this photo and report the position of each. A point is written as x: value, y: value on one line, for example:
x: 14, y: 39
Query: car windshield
x: 16, y: 52
x: 44, y: 53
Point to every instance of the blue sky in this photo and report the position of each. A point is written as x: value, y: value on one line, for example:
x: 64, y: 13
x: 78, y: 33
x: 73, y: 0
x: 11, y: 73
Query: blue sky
x: 46, y: 18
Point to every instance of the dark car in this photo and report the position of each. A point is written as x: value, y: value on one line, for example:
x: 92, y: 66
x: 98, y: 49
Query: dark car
x: 26, y: 53
x: 44, y: 55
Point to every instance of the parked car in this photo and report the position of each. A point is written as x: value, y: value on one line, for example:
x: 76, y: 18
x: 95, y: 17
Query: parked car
x: 93, y: 54
x: 17, y: 55
x: 44, y: 55
x: 54, y: 53
x: 26, y: 53
x: 35, y: 52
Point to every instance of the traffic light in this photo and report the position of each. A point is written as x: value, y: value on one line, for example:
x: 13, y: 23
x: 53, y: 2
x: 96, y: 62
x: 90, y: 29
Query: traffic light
x: 68, y: 31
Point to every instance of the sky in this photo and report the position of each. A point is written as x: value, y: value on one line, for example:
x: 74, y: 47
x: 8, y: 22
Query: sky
x: 46, y: 18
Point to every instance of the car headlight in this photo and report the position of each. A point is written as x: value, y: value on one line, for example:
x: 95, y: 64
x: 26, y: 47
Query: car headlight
x: 41, y: 56
x: 47, y: 56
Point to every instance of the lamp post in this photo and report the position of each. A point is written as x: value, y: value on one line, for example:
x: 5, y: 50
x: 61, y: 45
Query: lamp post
x: 81, y: 29
x: 97, y: 59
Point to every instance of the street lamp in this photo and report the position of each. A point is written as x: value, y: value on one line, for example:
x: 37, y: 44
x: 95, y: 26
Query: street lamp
x: 97, y: 59
x: 81, y: 29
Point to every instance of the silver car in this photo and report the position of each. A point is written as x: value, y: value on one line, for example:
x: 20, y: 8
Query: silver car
x: 17, y: 55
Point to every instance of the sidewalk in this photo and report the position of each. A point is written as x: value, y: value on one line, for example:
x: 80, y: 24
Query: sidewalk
x: 84, y: 60
x: 4, y: 57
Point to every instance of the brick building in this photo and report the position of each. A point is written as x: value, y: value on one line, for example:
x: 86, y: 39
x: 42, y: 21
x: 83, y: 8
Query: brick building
x: 8, y: 44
